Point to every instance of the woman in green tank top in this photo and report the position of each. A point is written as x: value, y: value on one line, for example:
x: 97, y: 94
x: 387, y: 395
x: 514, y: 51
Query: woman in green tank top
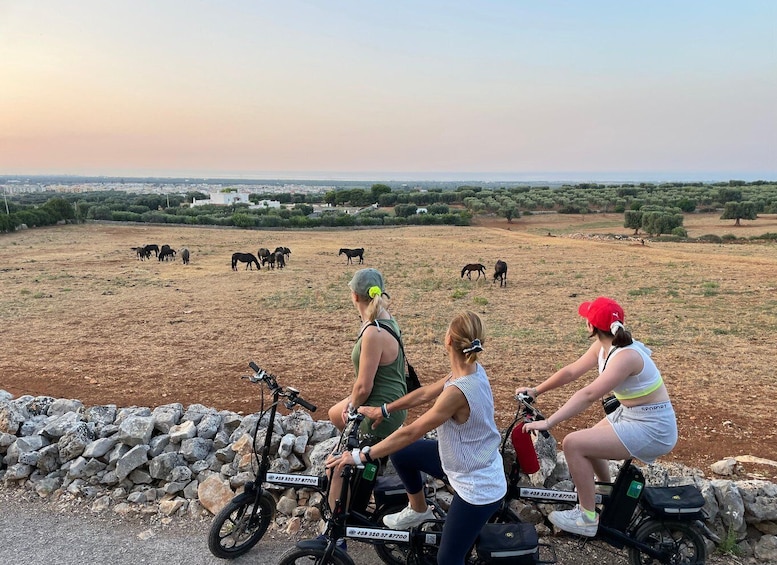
x: 378, y: 362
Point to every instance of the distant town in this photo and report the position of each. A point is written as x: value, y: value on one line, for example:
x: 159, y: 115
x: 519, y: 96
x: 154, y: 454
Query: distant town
x: 21, y: 184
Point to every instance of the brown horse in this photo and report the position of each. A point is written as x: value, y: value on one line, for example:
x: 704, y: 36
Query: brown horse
x: 468, y: 269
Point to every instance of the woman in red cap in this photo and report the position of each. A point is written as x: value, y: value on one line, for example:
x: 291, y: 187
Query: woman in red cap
x: 643, y: 426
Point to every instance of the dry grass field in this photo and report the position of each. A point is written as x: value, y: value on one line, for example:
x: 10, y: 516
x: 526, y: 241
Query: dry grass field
x: 81, y: 317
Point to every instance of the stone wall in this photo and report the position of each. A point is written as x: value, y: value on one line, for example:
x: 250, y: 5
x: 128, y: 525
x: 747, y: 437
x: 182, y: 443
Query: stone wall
x: 175, y: 461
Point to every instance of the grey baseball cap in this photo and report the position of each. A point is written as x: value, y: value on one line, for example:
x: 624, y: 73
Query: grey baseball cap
x: 364, y: 279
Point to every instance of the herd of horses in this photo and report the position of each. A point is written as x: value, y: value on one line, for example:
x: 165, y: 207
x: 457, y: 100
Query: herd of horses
x: 164, y: 253
x: 279, y: 258
x: 273, y: 259
x: 500, y: 271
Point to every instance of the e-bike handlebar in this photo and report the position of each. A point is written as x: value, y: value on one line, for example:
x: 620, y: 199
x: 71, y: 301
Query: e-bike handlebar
x: 530, y: 411
x: 291, y: 394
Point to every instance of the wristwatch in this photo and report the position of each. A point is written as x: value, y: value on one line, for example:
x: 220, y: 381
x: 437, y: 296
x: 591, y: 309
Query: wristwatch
x: 366, y: 452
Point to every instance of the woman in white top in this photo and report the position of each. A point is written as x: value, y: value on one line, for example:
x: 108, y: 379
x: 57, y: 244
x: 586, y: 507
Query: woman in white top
x: 643, y: 426
x: 467, y: 449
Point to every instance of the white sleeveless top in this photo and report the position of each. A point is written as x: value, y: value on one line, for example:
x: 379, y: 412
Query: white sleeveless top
x: 470, y: 451
x: 643, y: 383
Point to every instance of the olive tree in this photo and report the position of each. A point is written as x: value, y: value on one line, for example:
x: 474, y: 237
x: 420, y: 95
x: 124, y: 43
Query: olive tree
x: 739, y: 211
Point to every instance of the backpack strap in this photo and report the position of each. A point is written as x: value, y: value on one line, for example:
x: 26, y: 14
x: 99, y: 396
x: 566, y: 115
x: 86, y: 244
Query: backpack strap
x: 389, y: 330
x: 411, y: 378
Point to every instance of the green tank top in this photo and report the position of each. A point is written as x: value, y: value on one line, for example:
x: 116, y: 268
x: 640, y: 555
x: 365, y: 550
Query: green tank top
x: 388, y: 385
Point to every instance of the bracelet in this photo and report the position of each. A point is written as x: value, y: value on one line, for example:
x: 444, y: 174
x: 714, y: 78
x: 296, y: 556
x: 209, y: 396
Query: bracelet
x: 384, y: 411
x: 356, y: 458
x: 534, y: 392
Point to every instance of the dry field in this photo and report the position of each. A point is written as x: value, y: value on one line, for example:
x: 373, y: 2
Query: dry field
x: 81, y: 317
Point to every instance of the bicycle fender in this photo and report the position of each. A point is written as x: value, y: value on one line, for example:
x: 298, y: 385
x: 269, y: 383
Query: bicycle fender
x: 249, y: 497
x: 321, y: 544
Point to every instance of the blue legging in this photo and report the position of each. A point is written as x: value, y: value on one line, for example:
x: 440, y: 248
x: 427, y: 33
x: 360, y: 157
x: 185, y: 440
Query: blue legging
x: 464, y: 520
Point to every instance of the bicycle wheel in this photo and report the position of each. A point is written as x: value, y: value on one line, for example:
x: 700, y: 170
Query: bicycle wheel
x: 308, y: 556
x: 400, y: 553
x: 392, y: 553
x: 234, y: 530
x: 679, y: 539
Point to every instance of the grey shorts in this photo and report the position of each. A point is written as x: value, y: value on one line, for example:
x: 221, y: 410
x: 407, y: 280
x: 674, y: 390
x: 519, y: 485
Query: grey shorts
x: 647, y: 431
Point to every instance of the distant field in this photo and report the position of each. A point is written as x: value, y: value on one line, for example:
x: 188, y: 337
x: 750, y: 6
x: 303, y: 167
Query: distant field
x: 83, y: 318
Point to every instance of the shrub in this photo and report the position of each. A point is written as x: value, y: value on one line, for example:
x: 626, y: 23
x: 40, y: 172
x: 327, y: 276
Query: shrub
x: 125, y: 216
x: 710, y: 238
x: 680, y: 232
x: 244, y: 220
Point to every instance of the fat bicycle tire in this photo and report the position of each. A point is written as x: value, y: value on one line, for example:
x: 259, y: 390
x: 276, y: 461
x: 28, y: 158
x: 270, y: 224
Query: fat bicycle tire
x: 234, y: 531
x: 310, y: 556
x: 685, y: 544
x: 391, y: 553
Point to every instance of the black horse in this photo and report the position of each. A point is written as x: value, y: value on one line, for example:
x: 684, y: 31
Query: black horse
x: 500, y: 272
x: 285, y: 250
x: 248, y: 258
x: 280, y: 261
x: 152, y: 247
x: 351, y: 253
x: 185, y: 256
x: 468, y: 269
x: 166, y: 252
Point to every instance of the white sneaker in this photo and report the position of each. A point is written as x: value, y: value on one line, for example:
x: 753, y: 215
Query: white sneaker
x: 574, y: 521
x: 407, y: 518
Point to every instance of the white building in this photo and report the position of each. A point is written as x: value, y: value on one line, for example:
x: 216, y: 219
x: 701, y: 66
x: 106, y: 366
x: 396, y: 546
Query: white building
x: 230, y: 198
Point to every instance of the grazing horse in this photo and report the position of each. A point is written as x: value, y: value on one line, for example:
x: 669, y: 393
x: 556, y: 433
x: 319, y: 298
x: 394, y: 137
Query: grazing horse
x: 165, y: 252
x: 468, y: 269
x: 500, y: 272
x: 285, y: 250
x: 264, y: 255
x: 142, y: 253
x: 185, y: 256
x: 248, y: 258
x: 152, y: 247
x: 280, y: 261
x: 351, y: 253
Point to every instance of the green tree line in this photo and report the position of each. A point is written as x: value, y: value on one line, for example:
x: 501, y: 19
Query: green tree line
x: 652, y: 208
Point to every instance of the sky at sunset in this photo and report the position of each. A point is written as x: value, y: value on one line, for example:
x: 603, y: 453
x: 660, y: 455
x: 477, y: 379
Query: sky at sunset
x: 328, y: 89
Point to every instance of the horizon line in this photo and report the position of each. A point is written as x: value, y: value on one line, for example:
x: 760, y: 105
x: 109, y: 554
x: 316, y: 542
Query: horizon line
x: 429, y: 176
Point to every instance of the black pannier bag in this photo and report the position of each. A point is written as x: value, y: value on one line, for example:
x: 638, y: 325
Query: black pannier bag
x: 390, y: 491
x: 515, y: 543
x: 680, y: 502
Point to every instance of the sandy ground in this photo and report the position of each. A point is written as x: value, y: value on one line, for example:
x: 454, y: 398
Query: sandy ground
x: 83, y: 318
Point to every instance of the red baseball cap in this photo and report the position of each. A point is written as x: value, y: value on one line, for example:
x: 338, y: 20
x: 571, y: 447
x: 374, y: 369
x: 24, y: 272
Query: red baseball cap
x: 601, y: 313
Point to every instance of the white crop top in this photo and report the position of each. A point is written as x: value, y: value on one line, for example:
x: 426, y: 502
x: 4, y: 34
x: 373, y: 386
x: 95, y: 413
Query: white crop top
x: 643, y: 383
